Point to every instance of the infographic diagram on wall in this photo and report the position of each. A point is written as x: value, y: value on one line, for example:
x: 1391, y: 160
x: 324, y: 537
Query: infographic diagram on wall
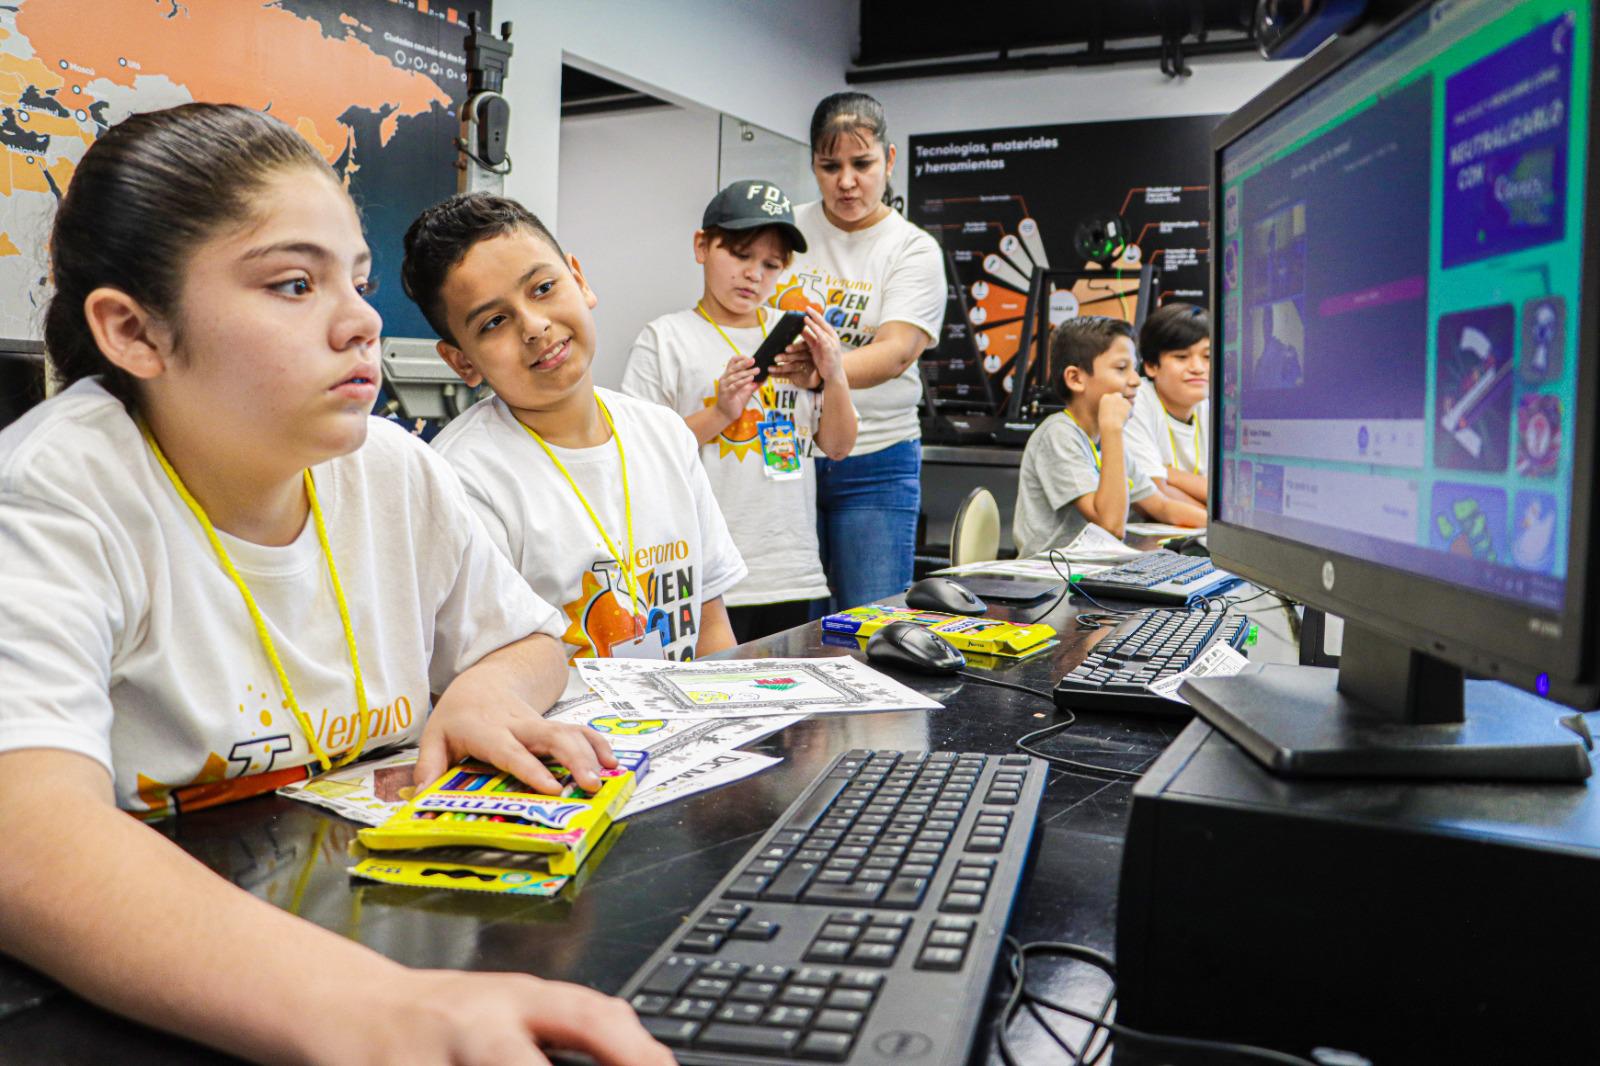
x: 1004, y: 201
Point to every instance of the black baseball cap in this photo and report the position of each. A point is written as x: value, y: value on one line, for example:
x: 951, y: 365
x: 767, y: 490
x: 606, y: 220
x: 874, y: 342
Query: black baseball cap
x: 752, y: 205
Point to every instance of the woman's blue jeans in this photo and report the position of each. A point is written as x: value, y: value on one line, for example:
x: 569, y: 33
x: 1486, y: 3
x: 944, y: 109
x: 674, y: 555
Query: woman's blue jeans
x: 867, y: 522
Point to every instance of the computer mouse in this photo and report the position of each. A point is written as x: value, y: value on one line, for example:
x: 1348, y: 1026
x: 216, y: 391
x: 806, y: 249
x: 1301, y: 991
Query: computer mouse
x: 914, y: 647
x: 942, y: 594
x: 1192, y: 545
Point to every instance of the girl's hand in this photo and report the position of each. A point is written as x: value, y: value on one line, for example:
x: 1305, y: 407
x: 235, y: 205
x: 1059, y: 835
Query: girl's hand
x: 492, y: 1019
x: 736, y: 386
x: 476, y: 716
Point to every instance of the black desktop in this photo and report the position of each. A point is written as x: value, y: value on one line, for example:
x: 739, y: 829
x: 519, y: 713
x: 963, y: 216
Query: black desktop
x: 1407, y: 295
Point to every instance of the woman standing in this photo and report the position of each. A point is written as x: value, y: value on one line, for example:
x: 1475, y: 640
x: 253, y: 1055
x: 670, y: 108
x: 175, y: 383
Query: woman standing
x: 879, y: 281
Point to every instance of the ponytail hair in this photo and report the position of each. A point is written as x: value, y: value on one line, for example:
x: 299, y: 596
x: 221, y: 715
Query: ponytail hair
x: 145, y: 195
x: 850, y: 113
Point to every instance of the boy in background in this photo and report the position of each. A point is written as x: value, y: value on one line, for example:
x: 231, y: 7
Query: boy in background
x: 1076, y: 469
x: 756, y: 441
x: 598, y: 499
x: 1167, y: 433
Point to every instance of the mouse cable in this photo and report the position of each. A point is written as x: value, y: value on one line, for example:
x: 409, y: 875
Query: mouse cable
x: 1023, y: 745
x: 1100, y: 1022
x: 1041, y: 693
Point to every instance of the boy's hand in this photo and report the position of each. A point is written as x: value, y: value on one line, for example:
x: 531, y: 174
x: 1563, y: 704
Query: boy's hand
x: 1114, y: 412
x: 480, y: 719
x: 735, y: 387
x: 467, y: 1019
x: 823, y: 344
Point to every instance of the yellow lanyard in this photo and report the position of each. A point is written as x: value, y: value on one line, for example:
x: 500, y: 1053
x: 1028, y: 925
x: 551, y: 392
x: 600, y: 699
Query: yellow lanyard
x: 1093, y: 447
x: 260, y: 623
x: 1174, y: 439
x: 625, y: 565
x: 760, y: 321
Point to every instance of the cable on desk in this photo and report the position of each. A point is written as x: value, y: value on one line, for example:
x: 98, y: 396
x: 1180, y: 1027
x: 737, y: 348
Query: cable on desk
x: 1057, y: 760
x: 1100, y: 1022
x: 1041, y: 693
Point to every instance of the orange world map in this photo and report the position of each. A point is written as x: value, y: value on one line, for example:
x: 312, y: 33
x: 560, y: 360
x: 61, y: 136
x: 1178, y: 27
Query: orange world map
x: 65, y: 77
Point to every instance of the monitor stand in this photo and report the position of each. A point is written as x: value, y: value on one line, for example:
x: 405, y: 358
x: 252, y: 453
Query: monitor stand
x: 1389, y: 711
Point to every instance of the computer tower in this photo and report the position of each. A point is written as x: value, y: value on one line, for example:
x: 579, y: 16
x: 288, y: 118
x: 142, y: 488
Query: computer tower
x: 1410, y: 922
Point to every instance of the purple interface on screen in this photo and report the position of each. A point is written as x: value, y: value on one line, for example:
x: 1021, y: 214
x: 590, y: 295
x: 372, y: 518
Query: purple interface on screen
x: 1327, y: 327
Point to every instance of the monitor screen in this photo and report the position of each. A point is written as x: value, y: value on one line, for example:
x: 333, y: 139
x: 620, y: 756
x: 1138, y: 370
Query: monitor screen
x: 1401, y: 251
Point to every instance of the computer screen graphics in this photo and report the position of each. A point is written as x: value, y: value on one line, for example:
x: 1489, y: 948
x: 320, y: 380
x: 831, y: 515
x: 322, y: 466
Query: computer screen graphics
x: 1406, y: 317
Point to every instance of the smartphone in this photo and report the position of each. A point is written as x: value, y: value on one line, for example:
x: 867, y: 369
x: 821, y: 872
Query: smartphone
x: 781, y: 336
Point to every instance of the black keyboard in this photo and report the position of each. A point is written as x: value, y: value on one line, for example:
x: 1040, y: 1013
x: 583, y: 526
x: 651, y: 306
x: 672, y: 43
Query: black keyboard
x: 1118, y: 670
x: 1159, y: 577
x: 863, y: 927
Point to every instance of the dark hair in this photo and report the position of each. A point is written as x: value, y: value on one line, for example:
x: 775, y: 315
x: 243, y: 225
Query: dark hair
x: 443, y: 235
x: 740, y: 239
x: 1172, y: 327
x: 1079, y: 342
x: 144, y: 196
x: 844, y: 113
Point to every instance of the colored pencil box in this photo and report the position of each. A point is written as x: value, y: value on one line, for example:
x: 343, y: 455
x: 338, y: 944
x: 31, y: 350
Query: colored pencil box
x: 477, y: 806
x: 986, y: 636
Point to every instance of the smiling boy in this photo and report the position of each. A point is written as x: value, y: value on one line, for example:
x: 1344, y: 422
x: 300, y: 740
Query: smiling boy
x: 598, y: 499
x: 1166, y: 434
x: 1076, y: 468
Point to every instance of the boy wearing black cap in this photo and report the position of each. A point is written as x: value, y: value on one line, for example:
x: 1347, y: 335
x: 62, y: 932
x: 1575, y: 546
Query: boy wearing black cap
x: 756, y: 441
x: 598, y: 499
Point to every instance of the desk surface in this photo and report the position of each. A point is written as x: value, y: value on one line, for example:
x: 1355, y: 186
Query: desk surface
x: 662, y: 862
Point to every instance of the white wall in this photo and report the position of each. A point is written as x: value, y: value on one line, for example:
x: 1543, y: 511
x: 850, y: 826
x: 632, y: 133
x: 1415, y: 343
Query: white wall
x: 633, y: 187
x: 766, y: 62
x: 1219, y: 84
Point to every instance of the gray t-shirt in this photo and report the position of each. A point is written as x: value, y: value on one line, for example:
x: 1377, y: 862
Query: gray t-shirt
x: 1059, y: 465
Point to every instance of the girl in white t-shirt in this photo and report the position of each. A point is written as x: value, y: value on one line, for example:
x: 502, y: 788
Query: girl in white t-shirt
x: 756, y: 441
x: 220, y: 571
x: 879, y: 281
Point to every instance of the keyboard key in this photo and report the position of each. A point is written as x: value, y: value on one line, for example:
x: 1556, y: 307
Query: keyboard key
x: 860, y: 892
x: 828, y: 951
x: 849, y: 999
x: 712, y: 987
x: 965, y: 885
x: 965, y: 924
x: 722, y: 968
x: 754, y: 992
x: 984, y: 843
x: 669, y: 978
x: 883, y: 934
x: 874, y: 954
x: 840, y: 1021
x: 673, y: 1032
x: 756, y: 930
x: 785, y: 1015
x: 767, y: 972
x: 860, y: 980
x: 746, y: 886
x: 937, y: 958
x: 822, y: 976
x: 758, y: 1039
x: 948, y: 938
x: 649, y: 1003
x: 700, y: 943
x: 803, y: 996
x: 787, y: 886
x: 741, y: 1013
x: 698, y: 1009
x: 962, y: 903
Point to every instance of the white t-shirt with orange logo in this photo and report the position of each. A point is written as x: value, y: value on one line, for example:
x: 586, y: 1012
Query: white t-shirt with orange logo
x: 683, y: 554
x: 677, y: 361
x: 122, y: 638
x: 892, y: 271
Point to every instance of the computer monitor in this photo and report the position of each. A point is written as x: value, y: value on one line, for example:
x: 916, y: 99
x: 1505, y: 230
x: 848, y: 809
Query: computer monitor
x: 1405, y: 304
